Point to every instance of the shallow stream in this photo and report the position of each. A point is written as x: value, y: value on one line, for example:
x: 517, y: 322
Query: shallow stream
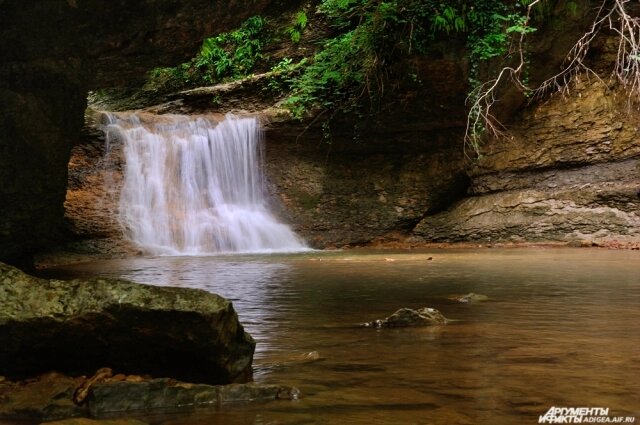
x: 561, y: 328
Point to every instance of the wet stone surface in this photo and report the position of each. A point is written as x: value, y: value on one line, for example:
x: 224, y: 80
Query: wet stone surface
x: 51, y: 397
x: 406, y: 317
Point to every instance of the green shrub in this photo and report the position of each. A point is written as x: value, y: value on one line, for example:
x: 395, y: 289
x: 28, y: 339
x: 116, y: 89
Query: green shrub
x: 299, y: 25
x: 374, y: 34
x: 229, y: 55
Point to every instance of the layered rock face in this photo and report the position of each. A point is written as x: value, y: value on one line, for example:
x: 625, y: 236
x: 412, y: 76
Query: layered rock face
x: 52, y: 52
x: 77, y: 327
x: 374, y: 179
x: 338, y: 196
x: 569, y: 170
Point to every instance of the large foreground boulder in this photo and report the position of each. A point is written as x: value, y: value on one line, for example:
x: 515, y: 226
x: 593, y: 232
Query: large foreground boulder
x: 78, y: 326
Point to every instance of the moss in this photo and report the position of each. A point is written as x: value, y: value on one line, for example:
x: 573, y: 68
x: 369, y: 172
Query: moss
x: 305, y: 199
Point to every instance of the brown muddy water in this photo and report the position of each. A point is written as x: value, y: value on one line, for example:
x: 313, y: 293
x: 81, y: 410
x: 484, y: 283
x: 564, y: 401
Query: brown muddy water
x: 561, y: 328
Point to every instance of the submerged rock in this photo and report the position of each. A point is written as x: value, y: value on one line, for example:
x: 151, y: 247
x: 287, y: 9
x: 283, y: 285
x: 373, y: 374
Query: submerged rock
x: 405, y: 317
x: 51, y: 397
x: 47, y: 397
x: 81, y: 393
x: 166, y: 395
x: 77, y: 327
x: 471, y: 297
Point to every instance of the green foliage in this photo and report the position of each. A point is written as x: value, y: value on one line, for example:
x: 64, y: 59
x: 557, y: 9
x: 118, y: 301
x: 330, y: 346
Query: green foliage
x: 375, y: 34
x: 299, y: 25
x: 341, y: 12
x: 370, y: 37
x: 285, y: 65
x: 281, y: 75
x: 231, y: 54
x: 216, y: 100
x: 327, y: 79
x: 449, y: 20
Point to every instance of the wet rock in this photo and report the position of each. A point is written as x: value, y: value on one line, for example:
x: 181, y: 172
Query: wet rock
x: 471, y: 297
x: 405, y: 317
x: 309, y: 357
x: 582, y: 243
x: 166, y: 395
x: 48, y: 397
x: 51, y: 397
x: 335, y: 200
x: 288, y: 361
x: 598, y: 212
x: 77, y: 327
x: 82, y: 391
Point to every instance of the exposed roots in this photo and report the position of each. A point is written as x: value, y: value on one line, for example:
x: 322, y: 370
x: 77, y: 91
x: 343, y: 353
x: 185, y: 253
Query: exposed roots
x: 612, y: 15
x: 480, y: 119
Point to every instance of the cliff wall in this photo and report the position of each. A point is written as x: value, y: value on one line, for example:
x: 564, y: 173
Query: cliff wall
x: 568, y: 171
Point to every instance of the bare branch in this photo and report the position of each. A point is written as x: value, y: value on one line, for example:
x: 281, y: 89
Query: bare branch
x: 627, y: 67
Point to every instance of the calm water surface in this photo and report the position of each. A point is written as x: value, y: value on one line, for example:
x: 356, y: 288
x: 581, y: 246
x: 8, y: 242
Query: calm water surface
x: 561, y: 328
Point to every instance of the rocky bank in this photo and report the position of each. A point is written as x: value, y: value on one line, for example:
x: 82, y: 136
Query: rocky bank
x: 168, y: 350
x: 53, y: 396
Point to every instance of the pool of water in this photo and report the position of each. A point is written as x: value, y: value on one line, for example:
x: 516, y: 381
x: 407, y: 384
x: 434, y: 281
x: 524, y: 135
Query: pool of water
x: 561, y: 328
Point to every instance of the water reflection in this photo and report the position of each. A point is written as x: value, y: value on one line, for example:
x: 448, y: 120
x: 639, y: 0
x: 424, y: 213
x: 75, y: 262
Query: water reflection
x: 249, y: 282
x: 560, y: 329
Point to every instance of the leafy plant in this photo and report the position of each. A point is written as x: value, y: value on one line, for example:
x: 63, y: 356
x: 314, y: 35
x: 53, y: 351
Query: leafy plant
x: 341, y: 12
x: 370, y: 37
x: 231, y: 54
x: 375, y: 34
x: 330, y: 75
x: 449, y: 20
x: 299, y: 25
x: 281, y: 74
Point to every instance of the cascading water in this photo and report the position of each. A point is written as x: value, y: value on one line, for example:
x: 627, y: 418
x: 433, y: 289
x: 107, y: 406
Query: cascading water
x: 193, y: 186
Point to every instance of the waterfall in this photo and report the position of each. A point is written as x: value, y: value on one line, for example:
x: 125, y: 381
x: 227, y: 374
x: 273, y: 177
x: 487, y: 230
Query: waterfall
x: 194, y: 186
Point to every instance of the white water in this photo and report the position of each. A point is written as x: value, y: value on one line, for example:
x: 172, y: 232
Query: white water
x: 193, y: 186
